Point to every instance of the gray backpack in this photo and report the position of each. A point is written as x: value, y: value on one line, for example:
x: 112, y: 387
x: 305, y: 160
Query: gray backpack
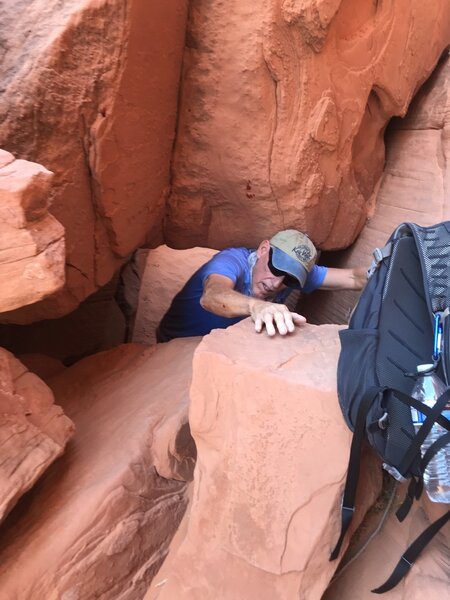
x: 399, y: 322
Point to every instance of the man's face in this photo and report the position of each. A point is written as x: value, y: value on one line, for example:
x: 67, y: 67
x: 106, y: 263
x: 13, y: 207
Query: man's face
x: 265, y: 285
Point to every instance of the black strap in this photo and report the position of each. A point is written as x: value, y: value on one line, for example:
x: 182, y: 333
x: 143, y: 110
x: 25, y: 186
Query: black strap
x: 411, y: 555
x: 416, y: 485
x: 405, y: 507
x: 433, y: 415
x: 351, y: 483
x: 423, y: 408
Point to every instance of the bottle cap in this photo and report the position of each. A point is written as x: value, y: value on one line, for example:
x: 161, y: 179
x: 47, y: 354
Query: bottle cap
x: 425, y: 368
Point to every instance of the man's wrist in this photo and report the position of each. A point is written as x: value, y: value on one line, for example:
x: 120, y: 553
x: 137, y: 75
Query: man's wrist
x: 254, y: 304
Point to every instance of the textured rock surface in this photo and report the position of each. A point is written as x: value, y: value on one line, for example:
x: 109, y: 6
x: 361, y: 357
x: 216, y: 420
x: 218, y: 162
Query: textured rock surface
x: 32, y: 248
x: 99, y: 523
x: 283, y: 110
x: 428, y: 578
x: 415, y: 186
x: 264, y: 513
x: 90, y: 91
x: 157, y: 277
x: 33, y: 431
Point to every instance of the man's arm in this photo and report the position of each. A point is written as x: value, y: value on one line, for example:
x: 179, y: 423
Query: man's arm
x: 345, y: 279
x: 220, y: 298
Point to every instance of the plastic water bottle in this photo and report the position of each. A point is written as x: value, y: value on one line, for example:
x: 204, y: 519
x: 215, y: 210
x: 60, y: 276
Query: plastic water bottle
x: 436, y: 477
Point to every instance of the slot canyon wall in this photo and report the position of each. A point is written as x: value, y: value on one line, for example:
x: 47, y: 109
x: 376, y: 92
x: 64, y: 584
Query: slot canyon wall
x: 283, y: 110
x: 415, y: 186
x: 89, y: 90
x: 128, y: 124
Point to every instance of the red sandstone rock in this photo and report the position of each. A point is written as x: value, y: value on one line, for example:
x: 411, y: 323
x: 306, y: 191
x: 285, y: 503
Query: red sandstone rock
x: 428, y: 577
x: 25, y: 192
x: 90, y: 91
x: 42, y: 365
x: 158, y: 275
x: 415, y: 187
x: 32, y: 248
x: 5, y: 158
x: 282, y: 114
x: 99, y: 523
x: 272, y: 457
x: 33, y: 431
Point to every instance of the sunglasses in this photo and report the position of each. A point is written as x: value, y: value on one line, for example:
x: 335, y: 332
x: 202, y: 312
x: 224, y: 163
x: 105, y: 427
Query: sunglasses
x: 288, y: 280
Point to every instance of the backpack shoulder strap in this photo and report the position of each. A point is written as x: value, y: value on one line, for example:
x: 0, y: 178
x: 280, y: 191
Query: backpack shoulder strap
x: 433, y: 245
x: 411, y: 554
x: 351, y: 483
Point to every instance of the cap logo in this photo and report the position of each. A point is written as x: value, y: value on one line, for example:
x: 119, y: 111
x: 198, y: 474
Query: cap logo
x: 303, y: 253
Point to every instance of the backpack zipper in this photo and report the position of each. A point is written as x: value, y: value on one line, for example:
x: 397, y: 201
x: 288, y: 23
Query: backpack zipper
x: 441, y: 340
x: 445, y: 349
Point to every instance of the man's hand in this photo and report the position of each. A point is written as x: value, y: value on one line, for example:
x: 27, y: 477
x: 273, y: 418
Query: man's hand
x: 220, y: 298
x: 274, y: 317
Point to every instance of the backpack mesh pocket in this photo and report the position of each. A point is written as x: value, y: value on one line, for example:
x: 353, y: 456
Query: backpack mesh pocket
x: 356, y: 369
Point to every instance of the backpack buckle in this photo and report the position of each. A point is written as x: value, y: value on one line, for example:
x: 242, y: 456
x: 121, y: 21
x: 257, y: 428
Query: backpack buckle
x: 378, y: 255
x: 383, y: 421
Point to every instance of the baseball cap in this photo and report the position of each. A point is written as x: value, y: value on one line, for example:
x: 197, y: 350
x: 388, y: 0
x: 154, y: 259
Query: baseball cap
x: 293, y: 253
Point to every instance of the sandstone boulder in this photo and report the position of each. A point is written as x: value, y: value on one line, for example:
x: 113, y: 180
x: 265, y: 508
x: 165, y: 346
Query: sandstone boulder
x: 33, y: 431
x: 415, y: 186
x: 272, y: 457
x: 150, y: 282
x: 90, y: 91
x: 32, y: 246
x: 99, y: 523
x: 282, y: 114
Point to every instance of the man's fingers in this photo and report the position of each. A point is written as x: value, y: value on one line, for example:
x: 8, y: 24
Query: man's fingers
x: 298, y: 319
x: 268, y: 320
x: 282, y: 322
x: 276, y: 317
x: 288, y: 317
x: 258, y: 324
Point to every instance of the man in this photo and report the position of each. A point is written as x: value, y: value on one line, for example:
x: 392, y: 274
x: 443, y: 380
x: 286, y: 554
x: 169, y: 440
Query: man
x: 239, y: 282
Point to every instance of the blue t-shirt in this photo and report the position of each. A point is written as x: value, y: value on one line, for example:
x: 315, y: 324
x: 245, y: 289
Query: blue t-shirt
x: 186, y: 317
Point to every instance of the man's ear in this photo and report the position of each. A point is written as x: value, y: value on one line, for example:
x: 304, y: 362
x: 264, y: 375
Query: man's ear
x: 263, y: 248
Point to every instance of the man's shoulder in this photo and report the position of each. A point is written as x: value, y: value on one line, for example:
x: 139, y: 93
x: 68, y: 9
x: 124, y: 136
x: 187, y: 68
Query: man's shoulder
x: 231, y: 262
x: 231, y: 255
x: 239, y: 252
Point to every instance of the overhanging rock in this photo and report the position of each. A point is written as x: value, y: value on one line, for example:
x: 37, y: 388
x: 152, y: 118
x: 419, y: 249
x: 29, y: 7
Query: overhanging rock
x: 32, y: 241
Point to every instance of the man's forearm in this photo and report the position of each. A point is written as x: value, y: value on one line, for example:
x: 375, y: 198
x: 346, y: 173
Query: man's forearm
x: 345, y: 279
x: 227, y: 302
x: 360, y: 277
